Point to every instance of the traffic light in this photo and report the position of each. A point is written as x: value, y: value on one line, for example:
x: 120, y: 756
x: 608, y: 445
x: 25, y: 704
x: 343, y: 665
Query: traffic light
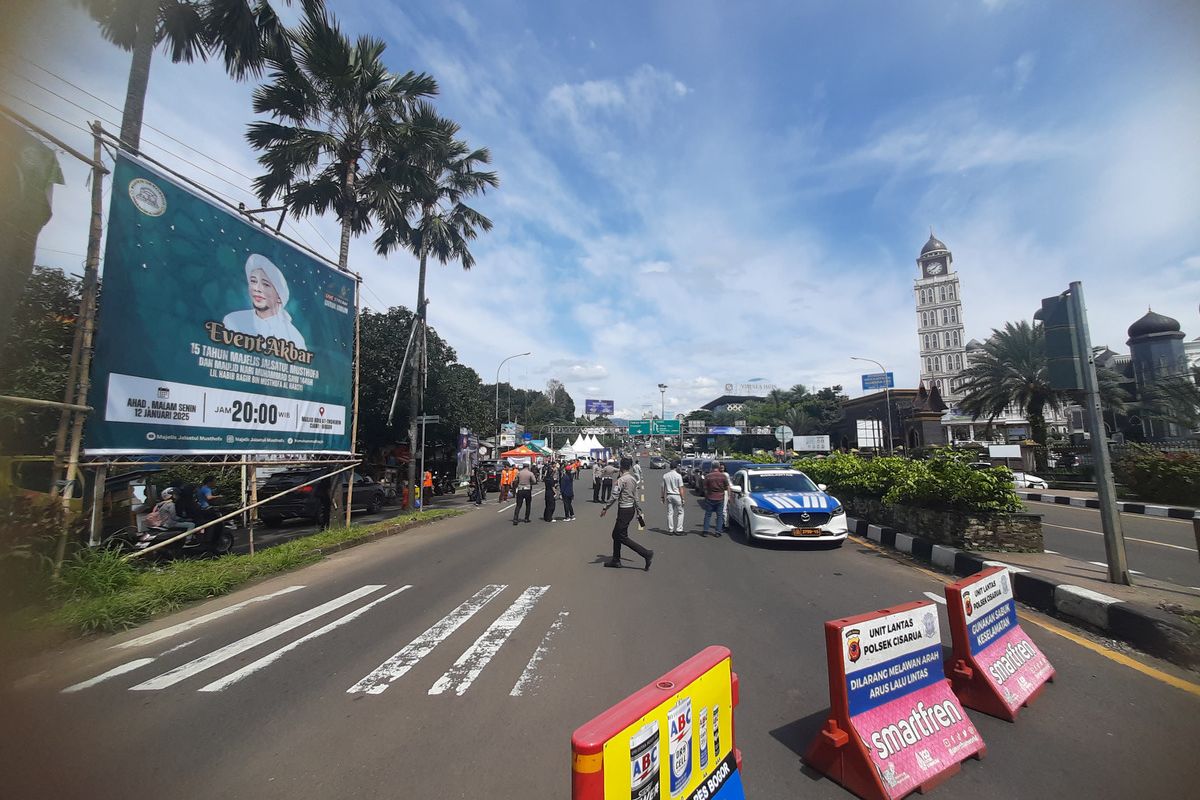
x: 1060, y: 323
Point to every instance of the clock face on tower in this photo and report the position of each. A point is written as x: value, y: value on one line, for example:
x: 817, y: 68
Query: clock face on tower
x: 934, y: 268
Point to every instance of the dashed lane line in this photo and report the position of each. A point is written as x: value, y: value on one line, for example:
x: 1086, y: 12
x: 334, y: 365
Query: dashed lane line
x: 174, y: 676
x: 1127, y: 538
x: 395, y: 667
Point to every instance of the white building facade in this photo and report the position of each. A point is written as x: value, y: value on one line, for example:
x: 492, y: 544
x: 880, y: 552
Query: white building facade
x: 940, y: 326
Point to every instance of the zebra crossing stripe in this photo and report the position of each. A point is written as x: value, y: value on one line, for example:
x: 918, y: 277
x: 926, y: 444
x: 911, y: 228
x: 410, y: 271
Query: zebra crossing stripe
x: 271, y: 658
x: 529, y: 677
x: 463, y: 672
x: 151, y: 638
x: 172, y: 677
x: 112, y: 673
x: 395, y: 667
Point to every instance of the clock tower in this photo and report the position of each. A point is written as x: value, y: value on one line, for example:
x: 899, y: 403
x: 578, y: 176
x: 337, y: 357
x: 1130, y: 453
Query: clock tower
x: 940, y: 320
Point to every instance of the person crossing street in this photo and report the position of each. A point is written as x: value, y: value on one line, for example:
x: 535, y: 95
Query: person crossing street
x: 566, y: 490
x: 596, y: 470
x: 627, y: 508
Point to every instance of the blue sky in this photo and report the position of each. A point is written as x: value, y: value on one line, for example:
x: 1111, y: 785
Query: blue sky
x: 700, y: 193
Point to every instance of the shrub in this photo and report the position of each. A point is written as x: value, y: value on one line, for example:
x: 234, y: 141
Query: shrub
x: 1163, y: 477
x: 942, y: 481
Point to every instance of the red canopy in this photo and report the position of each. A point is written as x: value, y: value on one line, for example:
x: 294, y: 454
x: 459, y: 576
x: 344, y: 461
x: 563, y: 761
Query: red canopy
x: 521, y: 452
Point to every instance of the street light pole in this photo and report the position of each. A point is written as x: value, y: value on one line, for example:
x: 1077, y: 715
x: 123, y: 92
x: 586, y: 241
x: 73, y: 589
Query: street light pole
x: 502, y: 363
x: 887, y: 396
x: 662, y: 415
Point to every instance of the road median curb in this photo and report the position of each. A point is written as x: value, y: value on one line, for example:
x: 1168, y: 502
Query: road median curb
x: 1171, y: 512
x: 1152, y: 630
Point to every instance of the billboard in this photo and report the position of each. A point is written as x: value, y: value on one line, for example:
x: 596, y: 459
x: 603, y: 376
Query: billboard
x: 213, y: 335
x: 809, y: 444
x: 664, y: 427
x: 602, y: 408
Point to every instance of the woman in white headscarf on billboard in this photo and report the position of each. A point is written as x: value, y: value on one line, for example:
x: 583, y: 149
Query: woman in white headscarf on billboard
x: 268, y: 296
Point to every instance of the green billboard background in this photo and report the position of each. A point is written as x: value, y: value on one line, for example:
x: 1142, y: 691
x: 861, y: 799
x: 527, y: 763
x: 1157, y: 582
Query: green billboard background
x: 183, y: 363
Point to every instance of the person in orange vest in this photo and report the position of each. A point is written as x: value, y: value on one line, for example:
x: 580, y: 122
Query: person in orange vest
x: 427, y: 488
x: 505, y: 480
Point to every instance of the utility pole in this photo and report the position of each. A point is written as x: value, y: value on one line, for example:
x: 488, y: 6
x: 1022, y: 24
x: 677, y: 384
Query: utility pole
x: 1071, y: 364
x: 887, y: 396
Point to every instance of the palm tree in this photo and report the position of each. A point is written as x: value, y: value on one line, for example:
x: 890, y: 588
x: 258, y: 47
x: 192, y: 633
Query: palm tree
x: 243, y: 32
x: 1011, y: 370
x: 799, y: 420
x: 1175, y: 399
x: 339, y: 112
x: 440, y: 173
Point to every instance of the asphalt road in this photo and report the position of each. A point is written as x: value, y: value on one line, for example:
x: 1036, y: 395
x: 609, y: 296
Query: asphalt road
x: 507, y: 639
x: 1157, y: 547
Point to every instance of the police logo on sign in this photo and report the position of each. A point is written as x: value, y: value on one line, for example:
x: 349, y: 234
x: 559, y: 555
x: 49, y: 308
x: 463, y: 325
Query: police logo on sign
x: 853, y: 645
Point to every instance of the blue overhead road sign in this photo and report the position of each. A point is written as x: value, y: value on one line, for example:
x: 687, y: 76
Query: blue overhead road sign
x: 879, y: 380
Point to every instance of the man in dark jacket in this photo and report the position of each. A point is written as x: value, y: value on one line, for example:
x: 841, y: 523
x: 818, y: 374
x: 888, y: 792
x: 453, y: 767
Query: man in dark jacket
x: 550, y: 478
x: 566, y: 489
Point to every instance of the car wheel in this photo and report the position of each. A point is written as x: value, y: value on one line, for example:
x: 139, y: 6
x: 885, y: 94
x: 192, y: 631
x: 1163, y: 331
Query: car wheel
x: 374, y: 504
x: 745, y: 524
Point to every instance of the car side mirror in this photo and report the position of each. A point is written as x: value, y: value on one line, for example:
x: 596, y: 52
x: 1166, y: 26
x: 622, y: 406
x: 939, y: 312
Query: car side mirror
x: 822, y: 486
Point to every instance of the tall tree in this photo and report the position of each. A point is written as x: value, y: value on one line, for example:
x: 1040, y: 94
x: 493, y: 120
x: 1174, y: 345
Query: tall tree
x: 337, y: 113
x: 438, y: 173
x: 244, y: 33
x: 1011, y: 370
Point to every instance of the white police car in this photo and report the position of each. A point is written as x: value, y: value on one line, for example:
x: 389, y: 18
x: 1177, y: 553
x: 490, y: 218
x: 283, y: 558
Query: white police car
x: 770, y: 502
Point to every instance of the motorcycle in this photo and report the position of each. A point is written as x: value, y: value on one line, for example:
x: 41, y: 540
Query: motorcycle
x: 215, y: 540
x: 444, y: 484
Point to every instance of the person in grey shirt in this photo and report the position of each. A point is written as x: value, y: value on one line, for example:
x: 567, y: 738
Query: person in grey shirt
x: 672, y: 497
x: 626, y: 500
x: 525, y: 482
x: 607, y: 476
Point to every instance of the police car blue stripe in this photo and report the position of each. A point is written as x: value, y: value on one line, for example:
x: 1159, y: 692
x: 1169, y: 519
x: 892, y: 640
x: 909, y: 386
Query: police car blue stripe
x: 793, y: 501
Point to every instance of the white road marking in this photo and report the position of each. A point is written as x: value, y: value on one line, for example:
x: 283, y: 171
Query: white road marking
x: 227, y: 652
x: 1127, y: 538
x: 178, y: 647
x: 1102, y: 564
x: 463, y: 672
x: 529, y: 677
x: 395, y: 667
x: 937, y: 598
x: 271, y: 658
x: 151, y: 638
x: 112, y: 673
x: 513, y: 505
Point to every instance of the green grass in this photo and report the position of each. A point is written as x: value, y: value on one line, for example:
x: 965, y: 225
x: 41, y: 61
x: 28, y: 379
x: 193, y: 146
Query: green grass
x: 100, y: 591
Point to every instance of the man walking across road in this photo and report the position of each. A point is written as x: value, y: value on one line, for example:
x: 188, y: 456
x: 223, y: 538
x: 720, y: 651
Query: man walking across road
x: 672, y: 497
x: 524, y: 483
x: 607, y: 476
x: 716, y: 484
x: 626, y: 501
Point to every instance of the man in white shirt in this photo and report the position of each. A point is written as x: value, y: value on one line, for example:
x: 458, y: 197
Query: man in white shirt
x: 672, y: 497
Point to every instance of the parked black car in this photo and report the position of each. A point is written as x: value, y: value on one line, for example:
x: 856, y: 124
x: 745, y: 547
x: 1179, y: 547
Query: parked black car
x: 306, y: 502
x: 658, y: 462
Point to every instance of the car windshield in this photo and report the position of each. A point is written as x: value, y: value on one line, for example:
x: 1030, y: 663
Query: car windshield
x: 790, y: 482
